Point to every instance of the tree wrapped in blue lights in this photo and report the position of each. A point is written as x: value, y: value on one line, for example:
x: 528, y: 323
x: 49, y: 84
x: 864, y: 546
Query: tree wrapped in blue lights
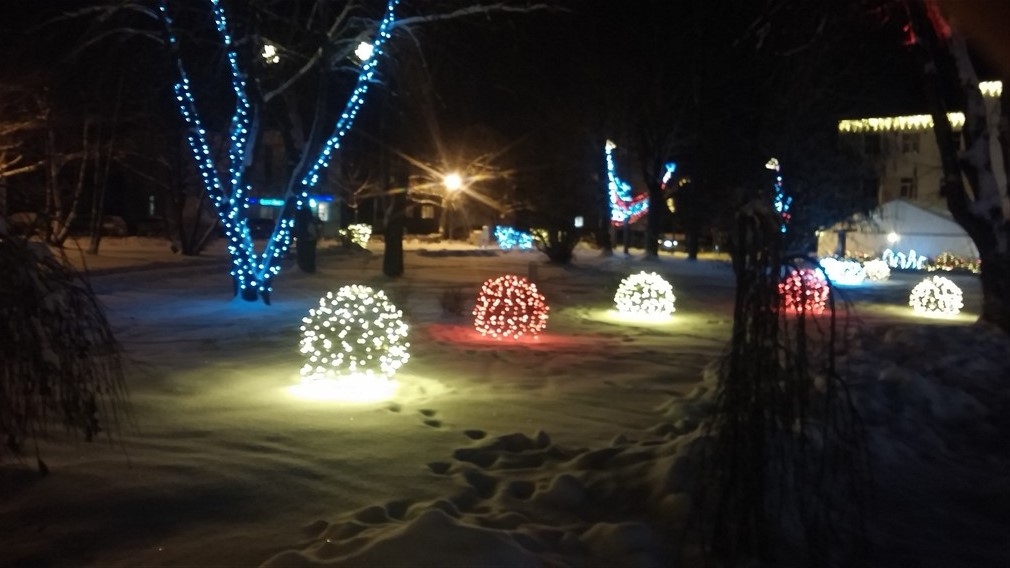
x: 227, y: 179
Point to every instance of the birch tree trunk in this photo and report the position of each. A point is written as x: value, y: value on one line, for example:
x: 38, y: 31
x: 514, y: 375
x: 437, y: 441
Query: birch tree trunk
x: 969, y: 185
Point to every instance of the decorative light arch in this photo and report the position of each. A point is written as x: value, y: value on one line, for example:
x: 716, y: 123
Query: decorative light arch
x: 624, y: 207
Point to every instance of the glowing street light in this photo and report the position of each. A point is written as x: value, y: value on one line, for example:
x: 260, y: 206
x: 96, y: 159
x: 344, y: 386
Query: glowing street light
x: 452, y: 182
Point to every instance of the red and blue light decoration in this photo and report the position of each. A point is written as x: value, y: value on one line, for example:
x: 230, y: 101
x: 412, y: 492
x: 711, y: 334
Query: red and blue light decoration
x: 780, y: 200
x: 510, y: 307
x: 252, y: 271
x: 804, y: 290
x: 625, y: 208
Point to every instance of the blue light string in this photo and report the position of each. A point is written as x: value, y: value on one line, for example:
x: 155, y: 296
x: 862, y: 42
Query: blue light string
x: 248, y: 270
x: 280, y: 243
x: 623, y: 206
x: 510, y: 238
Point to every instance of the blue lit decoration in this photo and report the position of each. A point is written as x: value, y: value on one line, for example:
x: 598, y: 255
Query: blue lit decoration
x: 670, y: 169
x: 781, y: 201
x: 509, y: 238
x: 624, y: 207
x: 253, y: 272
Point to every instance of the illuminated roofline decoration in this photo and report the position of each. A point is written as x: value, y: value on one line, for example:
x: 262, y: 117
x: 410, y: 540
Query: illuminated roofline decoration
x: 916, y: 121
x: 624, y: 207
x: 253, y: 272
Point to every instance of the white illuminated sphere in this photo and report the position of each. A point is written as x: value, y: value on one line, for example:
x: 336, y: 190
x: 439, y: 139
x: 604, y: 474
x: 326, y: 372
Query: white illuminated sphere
x: 843, y: 272
x: 936, y: 295
x: 877, y: 270
x: 355, y: 331
x: 645, y: 293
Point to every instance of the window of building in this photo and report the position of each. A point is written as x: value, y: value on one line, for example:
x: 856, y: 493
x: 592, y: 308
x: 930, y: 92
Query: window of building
x: 427, y: 211
x: 909, y: 188
x: 871, y: 144
x: 909, y: 142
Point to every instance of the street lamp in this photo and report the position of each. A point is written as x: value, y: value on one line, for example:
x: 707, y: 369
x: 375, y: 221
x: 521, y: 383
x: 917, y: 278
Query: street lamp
x: 452, y: 182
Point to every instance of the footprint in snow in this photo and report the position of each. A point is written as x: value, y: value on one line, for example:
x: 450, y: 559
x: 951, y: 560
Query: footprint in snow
x: 475, y: 434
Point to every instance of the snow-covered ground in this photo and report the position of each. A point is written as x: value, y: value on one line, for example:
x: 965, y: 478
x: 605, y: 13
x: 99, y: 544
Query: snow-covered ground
x: 566, y: 451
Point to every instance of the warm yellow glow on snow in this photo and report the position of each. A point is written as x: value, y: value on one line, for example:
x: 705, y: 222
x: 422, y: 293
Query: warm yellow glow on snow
x: 354, y: 389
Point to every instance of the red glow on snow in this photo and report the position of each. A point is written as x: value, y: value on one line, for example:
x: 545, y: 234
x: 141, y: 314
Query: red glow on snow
x: 510, y: 307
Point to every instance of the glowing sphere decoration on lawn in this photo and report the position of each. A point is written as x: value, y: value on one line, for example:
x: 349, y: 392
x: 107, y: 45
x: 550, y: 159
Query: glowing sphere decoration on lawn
x: 877, y: 270
x: 936, y: 295
x: 510, y: 307
x: 645, y: 293
x: 804, y: 290
x: 358, y: 233
x: 356, y: 331
x: 844, y: 272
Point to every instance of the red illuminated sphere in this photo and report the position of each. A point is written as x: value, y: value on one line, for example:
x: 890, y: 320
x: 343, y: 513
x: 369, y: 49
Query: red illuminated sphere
x: 804, y: 290
x: 509, y: 307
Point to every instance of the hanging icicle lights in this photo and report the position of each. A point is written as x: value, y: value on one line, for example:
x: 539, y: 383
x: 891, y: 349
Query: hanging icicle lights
x: 253, y: 272
x: 624, y: 207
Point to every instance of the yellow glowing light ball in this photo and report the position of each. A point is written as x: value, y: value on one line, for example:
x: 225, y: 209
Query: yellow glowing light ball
x: 358, y: 233
x: 510, y: 306
x: 356, y: 331
x: 645, y: 293
x: 936, y: 295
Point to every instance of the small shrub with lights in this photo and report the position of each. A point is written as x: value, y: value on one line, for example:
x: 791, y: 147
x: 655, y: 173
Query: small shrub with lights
x: 843, y: 271
x: 357, y: 234
x: 510, y: 306
x: 804, y: 290
x: 877, y: 270
x: 938, y: 296
x: 645, y: 293
x: 950, y: 262
x: 355, y: 331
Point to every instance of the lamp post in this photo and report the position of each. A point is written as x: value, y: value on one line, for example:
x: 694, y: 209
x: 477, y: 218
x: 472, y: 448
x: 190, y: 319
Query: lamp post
x: 453, y: 183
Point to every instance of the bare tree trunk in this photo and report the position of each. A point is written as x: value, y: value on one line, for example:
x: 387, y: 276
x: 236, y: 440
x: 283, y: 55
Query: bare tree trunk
x: 655, y: 218
x: 944, y: 59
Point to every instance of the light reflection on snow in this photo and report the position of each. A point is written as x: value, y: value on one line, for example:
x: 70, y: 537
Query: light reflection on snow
x: 615, y: 316
x: 353, y: 389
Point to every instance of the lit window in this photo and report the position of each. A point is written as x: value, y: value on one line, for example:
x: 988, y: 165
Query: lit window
x: 427, y: 211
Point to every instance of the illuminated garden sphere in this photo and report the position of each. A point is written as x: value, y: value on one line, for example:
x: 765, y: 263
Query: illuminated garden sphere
x: 645, y: 293
x: 843, y: 272
x: 877, y: 270
x: 358, y: 233
x: 936, y: 295
x: 804, y: 290
x: 510, y: 307
x: 355, y: 331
